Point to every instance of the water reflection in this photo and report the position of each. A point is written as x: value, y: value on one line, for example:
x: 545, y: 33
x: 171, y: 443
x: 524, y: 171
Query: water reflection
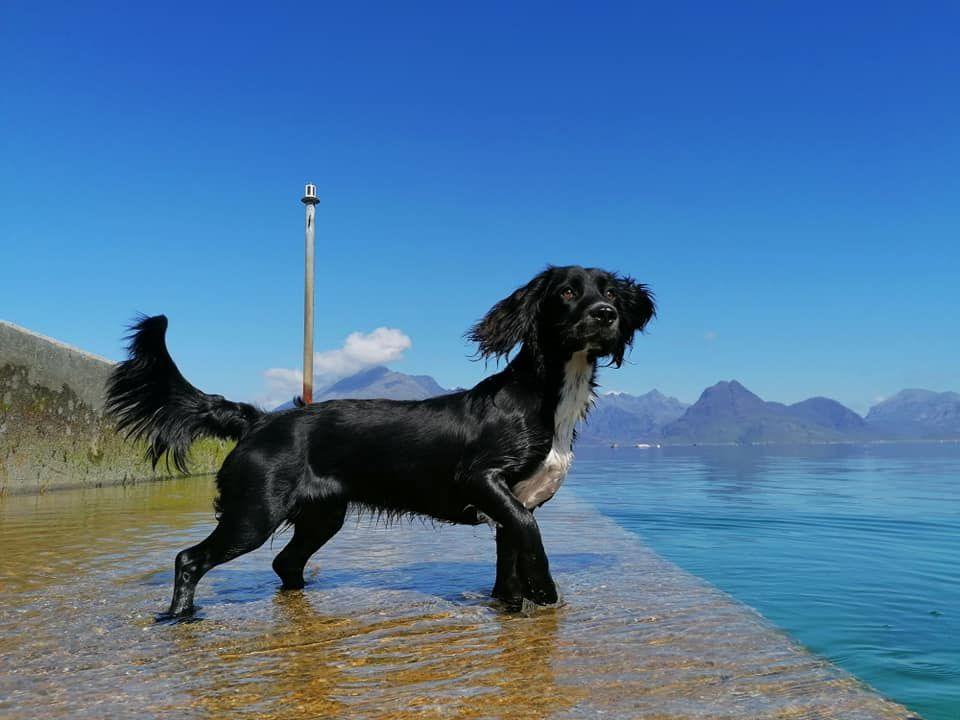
x: 318, y: 665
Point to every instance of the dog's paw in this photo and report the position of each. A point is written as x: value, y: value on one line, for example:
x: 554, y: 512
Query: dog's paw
x: 511, y: 597
x: 292, y: 584
x: 542, y: 592
x: 169, y: 618
x: 529, y: 608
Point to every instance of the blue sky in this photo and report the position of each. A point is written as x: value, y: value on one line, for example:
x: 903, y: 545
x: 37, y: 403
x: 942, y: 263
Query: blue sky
x: 784, y: 175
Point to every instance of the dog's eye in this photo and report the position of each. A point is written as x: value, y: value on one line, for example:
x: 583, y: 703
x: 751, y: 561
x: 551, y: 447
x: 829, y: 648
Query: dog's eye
x: 568, y: 294
x: 610, y: 295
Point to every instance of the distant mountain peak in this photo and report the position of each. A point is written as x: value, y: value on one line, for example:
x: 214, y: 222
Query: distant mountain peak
x: 358, y: 380
x: 916, y: 395
x: 652, y: 394
x: 728, y: 412
x: 726, y: 386
x: 729, y: 391
x: 382, y: 382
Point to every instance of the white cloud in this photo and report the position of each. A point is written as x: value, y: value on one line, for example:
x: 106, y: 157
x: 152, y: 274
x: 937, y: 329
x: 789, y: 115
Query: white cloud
x: 359, y: 352
x: 281, y: 386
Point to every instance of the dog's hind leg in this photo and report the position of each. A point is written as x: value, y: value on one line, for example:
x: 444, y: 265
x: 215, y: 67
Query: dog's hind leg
x: 314, y: 525
x: 233, y: 537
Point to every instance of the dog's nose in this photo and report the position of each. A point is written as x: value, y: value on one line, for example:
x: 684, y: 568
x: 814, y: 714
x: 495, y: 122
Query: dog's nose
x: 604, y: 314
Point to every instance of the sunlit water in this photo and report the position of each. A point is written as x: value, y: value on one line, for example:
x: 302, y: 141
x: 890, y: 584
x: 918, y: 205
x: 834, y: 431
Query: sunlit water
x: 854, y: 550
x: 394, y: 623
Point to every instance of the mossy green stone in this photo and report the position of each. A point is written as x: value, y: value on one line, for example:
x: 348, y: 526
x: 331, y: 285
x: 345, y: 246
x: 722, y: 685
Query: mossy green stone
x: 53, y: 433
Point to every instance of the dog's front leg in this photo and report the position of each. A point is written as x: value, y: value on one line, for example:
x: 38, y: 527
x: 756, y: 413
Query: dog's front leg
x: 521, y: 540
x: 507, y: 586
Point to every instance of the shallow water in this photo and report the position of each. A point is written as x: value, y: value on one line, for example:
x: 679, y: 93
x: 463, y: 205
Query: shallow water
x: 394, y: 623
x: 854, y: 550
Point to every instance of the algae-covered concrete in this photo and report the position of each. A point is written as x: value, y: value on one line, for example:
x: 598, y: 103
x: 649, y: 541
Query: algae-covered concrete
x: 53, y: 433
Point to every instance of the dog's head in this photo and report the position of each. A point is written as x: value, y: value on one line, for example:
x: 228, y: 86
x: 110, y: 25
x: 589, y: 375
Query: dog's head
x: 567, y: 309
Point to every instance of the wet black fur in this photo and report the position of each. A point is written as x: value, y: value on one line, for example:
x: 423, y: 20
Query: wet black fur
x: 454, y: 458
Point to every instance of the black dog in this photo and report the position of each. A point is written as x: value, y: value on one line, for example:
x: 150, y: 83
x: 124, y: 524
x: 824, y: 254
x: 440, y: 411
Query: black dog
x: 491, y: 454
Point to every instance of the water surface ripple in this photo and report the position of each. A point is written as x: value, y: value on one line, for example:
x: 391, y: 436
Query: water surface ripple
x: 395, y: 623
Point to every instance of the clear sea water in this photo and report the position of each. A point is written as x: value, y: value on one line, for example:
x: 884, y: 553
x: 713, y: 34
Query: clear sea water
x: 853, y: 550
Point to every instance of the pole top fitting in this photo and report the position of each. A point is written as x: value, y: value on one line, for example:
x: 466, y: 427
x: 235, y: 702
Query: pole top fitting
x: 310, y: 195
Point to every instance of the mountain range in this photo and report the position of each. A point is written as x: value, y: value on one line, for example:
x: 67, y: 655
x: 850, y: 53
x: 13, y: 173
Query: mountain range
x: 725, y: 413
x: 729, y: 413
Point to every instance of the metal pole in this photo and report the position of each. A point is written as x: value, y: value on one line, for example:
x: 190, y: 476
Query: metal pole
x: 309, y: 199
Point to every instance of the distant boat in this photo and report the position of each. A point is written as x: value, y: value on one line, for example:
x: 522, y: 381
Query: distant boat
x: 614, y: 445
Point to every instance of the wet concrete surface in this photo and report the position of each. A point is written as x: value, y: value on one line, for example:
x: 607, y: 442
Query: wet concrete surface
x: 395, y: 622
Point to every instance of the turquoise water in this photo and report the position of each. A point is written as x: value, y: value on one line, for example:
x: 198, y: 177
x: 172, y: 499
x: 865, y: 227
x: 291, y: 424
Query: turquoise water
x: 853, y: 550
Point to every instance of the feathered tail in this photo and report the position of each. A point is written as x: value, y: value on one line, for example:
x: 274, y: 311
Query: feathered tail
x: 151, y: 400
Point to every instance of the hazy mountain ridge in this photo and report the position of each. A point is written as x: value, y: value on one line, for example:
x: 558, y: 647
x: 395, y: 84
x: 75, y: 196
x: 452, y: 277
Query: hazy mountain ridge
x: 726, y: 412
x: 620, y: 417
x: 918, y: 414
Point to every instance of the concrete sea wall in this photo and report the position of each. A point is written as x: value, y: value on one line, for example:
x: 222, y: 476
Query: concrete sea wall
x: 53, y: 433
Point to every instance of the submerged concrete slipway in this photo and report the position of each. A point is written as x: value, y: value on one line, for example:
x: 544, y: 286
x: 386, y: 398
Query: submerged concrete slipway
x: 395, y: 622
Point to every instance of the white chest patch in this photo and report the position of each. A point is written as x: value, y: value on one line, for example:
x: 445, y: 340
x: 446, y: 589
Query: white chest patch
x: 576, y: 394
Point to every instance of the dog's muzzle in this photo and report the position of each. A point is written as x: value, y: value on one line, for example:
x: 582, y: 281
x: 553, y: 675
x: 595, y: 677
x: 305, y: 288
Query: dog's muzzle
x: 604, y: 314
x: 599, y: 328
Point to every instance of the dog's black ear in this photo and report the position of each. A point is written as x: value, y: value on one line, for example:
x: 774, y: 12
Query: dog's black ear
x: 638, y: 303
x: 512, y: 320
x: 637, y: 308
